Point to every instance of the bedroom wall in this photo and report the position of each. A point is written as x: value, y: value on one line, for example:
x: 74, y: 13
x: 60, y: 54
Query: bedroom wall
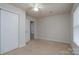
x: 54, y: 28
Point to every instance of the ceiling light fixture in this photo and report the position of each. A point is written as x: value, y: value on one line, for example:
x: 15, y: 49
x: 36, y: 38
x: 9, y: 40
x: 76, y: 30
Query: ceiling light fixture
x: 36, y: 9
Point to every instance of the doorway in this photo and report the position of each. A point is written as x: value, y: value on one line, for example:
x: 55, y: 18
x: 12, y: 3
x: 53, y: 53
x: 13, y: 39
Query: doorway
x: 31, y: 30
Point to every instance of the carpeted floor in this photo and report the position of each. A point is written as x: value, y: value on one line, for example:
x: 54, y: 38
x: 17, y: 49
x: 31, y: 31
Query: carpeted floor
x: 43, y: 47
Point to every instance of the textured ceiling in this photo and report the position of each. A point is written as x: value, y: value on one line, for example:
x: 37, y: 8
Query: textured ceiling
x: 45, y: 9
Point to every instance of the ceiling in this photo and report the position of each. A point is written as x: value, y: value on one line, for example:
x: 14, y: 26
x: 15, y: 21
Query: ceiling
x: 45, y: 9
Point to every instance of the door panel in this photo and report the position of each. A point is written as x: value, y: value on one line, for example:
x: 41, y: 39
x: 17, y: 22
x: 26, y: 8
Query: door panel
x: 9, y: 31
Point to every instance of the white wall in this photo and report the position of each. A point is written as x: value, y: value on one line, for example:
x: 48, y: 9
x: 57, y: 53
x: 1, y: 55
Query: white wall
x: 27, y: 29
x: 22, y: 18
x: 55, y: 28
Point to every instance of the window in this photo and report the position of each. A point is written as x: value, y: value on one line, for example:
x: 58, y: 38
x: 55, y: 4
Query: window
x: 76, y: 26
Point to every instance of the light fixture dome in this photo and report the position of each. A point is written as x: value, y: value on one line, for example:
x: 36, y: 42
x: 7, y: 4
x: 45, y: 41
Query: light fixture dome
x: 36, y: 9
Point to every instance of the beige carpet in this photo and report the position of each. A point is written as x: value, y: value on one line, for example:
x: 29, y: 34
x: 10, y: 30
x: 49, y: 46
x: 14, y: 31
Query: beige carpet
x: 43, y: 47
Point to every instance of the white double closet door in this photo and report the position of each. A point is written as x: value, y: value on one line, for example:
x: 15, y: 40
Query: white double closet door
x: 8, y: 31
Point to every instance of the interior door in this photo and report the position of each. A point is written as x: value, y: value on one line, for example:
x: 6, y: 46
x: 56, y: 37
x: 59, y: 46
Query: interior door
x: 9, y: 31
x: 32, y: 30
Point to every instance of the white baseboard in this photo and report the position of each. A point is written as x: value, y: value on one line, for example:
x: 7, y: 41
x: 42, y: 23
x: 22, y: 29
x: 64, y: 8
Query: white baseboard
x: 55, y: 40
x: 75, y: 48
x: 22, y: 45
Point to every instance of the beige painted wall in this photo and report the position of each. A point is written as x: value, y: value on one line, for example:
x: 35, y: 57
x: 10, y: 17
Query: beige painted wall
x: 55, y: 28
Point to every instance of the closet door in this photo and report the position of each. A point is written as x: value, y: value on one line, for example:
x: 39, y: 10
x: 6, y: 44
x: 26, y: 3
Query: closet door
x: 9, y: 31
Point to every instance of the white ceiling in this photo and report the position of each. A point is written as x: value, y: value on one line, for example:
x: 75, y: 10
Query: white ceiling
x: 46, y: 9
